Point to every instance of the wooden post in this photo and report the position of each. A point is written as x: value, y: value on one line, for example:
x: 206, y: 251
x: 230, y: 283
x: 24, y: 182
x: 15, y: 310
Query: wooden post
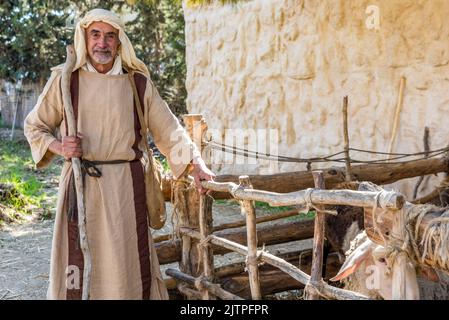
x: 426, y: 150
x: 76, y: 167
x: 346, y: 138
x: 318, y: 240
x: 189, y: 213
x: 251, y: 234
x: 206, y: 228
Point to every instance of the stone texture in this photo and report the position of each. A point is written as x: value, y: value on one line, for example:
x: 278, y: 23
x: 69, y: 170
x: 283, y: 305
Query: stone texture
x: 286, y: 65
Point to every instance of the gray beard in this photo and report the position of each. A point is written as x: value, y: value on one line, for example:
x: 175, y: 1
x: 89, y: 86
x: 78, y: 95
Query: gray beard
x: 102, y: 58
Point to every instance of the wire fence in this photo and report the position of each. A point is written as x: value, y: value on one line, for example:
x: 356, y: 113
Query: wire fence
x: 389, y: 157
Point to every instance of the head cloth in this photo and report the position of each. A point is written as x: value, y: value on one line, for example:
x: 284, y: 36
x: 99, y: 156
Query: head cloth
x: 126, y: 50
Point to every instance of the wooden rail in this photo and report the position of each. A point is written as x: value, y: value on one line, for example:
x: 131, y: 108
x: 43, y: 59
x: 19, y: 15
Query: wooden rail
x: 294, y: 272
x: 316, y: 287
x: 315, y: 196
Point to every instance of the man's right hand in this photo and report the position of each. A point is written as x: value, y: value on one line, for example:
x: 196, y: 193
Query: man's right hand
x: 69, y: 147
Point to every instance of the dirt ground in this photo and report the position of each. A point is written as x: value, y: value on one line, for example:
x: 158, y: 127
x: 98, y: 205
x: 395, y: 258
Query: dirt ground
x: 25, y: 253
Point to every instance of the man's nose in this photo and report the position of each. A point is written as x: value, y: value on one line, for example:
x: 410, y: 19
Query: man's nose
x: 102, y: 42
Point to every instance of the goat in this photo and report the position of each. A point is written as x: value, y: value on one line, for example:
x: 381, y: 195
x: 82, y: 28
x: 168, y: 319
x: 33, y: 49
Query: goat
x: 366, y: 271
x: 342, y: 228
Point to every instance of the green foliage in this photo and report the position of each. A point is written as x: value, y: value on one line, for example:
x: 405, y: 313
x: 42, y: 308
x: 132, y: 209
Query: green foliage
x: 302, y: 216
x: 34, y: 34
x: 158, y: 38
x: 17, y: 169
x: 32, y: 38
x: 267, y: 207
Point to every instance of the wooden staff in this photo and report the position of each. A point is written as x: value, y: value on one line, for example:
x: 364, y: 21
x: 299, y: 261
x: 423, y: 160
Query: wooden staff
x: 251, y: 234
x: 76, y: 167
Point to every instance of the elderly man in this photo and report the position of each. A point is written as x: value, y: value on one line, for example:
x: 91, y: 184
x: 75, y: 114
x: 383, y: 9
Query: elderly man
x: 124, y: 261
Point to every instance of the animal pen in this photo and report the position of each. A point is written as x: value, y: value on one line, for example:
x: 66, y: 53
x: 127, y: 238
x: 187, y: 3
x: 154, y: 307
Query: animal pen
x: 413, y: 232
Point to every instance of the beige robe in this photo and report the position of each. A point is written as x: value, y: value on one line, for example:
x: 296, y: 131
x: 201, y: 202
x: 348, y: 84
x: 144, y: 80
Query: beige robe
x: 124, y: 261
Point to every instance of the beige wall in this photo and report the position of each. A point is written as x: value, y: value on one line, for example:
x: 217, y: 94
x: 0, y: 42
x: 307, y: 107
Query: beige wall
x: 286, y: 64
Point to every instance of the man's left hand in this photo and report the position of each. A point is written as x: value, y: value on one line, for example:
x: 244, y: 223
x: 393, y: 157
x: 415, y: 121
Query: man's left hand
x: 200, y: 173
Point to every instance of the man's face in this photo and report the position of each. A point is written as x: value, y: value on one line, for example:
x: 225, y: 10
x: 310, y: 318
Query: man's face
x: 102, y: 42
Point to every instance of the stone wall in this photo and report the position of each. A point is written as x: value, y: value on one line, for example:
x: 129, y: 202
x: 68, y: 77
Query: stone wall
x: 287, y: 64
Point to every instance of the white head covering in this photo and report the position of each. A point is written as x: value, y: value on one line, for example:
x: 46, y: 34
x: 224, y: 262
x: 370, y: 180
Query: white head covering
x: 126, y: 51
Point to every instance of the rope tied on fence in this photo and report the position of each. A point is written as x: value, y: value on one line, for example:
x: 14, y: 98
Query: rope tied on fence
x: 315, y: 288
x: 199, y: 283
x: 257, y: 259
x: 234, y: 188
x: 380, y: 200
x: 203, y: 243
x: 398, y: 252
x: 404, y: 240
x: 310, y: 206
x: 401, y: 240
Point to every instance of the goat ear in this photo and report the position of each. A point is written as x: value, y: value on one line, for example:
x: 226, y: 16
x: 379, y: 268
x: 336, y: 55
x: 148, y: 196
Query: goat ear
x: 354, y: 260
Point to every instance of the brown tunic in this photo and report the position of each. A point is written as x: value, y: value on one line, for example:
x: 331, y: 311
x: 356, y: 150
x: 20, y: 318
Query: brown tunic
x: 124, y: 261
